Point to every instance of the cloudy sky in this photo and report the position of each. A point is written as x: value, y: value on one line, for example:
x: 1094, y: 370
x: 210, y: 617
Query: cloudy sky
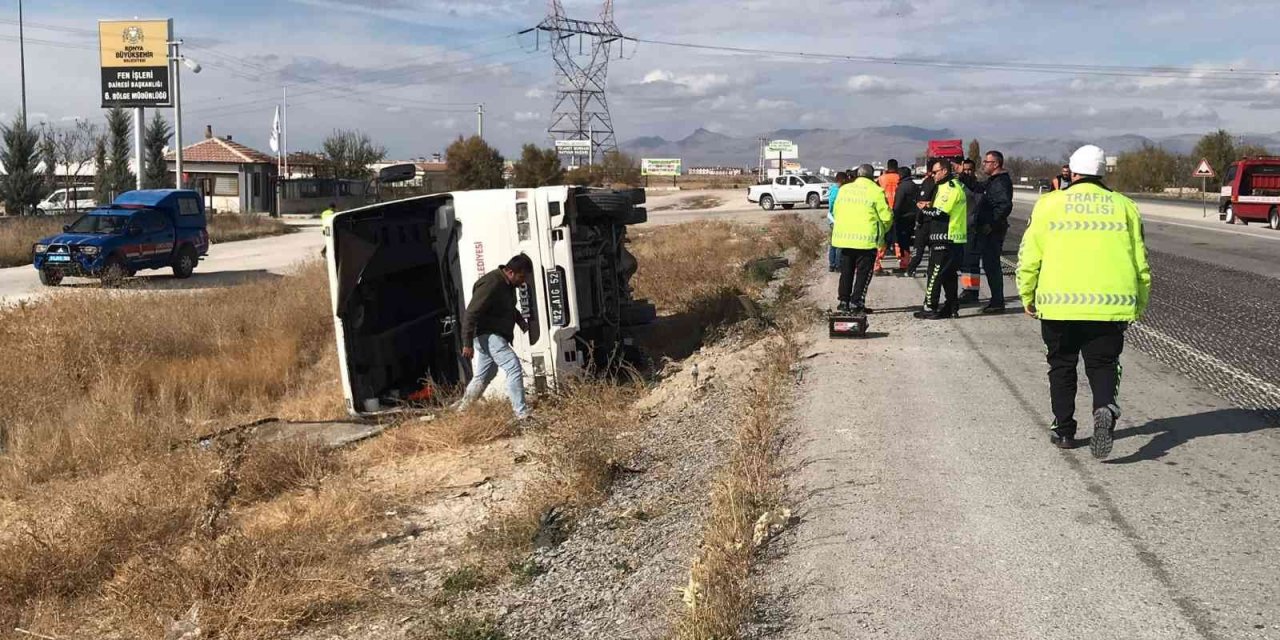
x: 409, y: 71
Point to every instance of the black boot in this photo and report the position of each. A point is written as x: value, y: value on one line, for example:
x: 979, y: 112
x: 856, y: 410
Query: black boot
x: 1104, y: 426
x: 1063, y: 437
x: 969, y: 296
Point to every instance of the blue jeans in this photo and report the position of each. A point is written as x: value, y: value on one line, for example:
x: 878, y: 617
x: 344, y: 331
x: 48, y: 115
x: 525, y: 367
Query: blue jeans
x: 833, y: 254
x: 493, y: 351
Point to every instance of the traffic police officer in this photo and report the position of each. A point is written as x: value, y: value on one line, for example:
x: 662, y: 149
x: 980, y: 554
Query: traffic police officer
x: 948, y: 231
x: 862, y: 218
x: 1082, y: 270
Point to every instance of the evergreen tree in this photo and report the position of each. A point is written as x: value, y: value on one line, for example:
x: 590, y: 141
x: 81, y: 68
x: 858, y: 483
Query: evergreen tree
x: 101, y: 194
x: 156, y: 174
x: 119, y: 177
x: 21, y: 188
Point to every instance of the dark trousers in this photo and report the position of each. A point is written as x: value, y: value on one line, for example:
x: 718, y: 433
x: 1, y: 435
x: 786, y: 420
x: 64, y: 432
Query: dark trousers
x: 855, y: 275
x: 992, y: 245
x: 1100, y: 343
x: 973, y: 262
x: 902, y: 235
x: 921, y: 243
x: 944, y: 267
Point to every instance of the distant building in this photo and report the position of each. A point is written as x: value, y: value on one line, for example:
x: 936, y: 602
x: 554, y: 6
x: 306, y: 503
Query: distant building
x: 717, y: 171
x: 231, y: 177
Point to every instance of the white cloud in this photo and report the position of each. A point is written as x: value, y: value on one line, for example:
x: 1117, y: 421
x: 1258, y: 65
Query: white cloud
x: 447, y: 123
x: 695, y: 84
x: 526, y: 116
x: 766, y: 104
x: 536, y: 93
x: 870, y: 84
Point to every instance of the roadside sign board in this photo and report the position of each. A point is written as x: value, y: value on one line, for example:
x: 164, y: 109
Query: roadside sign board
x: 134, y: 58
x: 788, y: 150
x: 660, y: 166
x: 574, y: 147
x: 1203, y: 170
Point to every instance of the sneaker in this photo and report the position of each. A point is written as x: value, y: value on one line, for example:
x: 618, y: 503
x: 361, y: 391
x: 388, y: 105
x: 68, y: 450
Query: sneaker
x: 924, y: 312
x: 844, y: 308
x: 993, y: 309
x: 1104, y: 426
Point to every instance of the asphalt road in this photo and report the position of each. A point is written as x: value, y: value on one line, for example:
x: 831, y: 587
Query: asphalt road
x: 227, y: 264
x: 933, y: 506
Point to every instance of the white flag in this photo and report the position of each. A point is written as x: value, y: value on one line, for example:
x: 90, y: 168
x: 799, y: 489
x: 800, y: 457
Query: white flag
x: 275, y: 132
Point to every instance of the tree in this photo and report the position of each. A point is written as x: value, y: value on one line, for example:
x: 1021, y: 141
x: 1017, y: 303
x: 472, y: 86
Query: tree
x: 73, y: 151
x: 156, y: 174
x: 621, y: 169
x: 119, y: 177
x: 473, y: 164
x: 1147, y: 169
x: 101, y: 193
x: 1251, y: 150
x: 587, y: 175
x: 538, y: 167
x: 49, y: 158
x: 975, y: 152
x: 1220, y: 150
x: 1020, y: 167
x: 21, y: 187
x: 347, y: 154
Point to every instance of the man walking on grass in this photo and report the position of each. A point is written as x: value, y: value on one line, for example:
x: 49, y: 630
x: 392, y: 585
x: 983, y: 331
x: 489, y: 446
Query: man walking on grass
x: 1082, y: 270
x: 489, y: 328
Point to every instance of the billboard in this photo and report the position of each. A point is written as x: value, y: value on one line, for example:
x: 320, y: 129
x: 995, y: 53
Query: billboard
x: 134, y: 56
x: 660, y: 167
x: 788, y: 149
x: 574, y: 147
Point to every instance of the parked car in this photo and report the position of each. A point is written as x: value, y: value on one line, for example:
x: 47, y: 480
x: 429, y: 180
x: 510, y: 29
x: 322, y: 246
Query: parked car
x: 70, y: 200
x: 790, y: 190
x: 149, y: 229
x: 401, y: 275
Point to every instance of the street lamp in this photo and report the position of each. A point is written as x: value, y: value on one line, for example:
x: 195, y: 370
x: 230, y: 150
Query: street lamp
x: 175, y: 56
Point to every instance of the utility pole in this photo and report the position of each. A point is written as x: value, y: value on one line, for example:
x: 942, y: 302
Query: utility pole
x: 138, y: 123
x: 480, y: 120
x: 22, y: 63
x: 175, y: 60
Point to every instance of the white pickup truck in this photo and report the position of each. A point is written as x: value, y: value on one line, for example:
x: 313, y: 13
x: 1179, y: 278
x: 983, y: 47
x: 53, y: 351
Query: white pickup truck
x: 790, y: 190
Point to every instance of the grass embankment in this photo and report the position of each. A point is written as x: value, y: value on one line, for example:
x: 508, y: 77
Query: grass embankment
x: 746, y: 506
x: 17, y: 234
x: 112, y: 522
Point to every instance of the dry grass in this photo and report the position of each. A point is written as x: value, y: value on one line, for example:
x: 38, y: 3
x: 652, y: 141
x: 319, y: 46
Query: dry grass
x: 230, y: 227
x: 110, y: 522
x: 578, y: 452
x: 746, y: 496
x: 18, y: 233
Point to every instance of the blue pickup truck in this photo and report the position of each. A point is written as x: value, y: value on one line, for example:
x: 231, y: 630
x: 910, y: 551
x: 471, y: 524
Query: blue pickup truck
x: 145, y: 229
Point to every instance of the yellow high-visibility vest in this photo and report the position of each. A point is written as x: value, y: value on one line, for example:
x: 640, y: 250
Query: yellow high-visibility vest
x: 1083, y: 256
x: 862, y: 216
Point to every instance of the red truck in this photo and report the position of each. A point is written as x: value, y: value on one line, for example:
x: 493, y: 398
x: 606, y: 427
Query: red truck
x: 1251, y: 192
x: 952, y: 150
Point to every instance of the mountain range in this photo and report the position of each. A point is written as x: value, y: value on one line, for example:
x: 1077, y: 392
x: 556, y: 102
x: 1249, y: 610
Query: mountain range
x: 845, y: 147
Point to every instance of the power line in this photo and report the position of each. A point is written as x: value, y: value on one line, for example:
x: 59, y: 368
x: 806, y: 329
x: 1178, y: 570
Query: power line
x: 1028, y: 67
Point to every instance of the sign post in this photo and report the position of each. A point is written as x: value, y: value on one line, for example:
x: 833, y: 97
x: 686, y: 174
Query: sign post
x: 134, y: 59
x: 660, y: 167
x: 1204, y: 171
x: 786, y: 150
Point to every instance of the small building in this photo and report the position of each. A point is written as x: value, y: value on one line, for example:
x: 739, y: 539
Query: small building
x: 232, y: 178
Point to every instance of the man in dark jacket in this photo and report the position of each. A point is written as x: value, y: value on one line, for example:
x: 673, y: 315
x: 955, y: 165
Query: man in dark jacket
x: 904, y: 215
x: 993, y: 224
x: 928, y: 188
x: 488, y: 329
